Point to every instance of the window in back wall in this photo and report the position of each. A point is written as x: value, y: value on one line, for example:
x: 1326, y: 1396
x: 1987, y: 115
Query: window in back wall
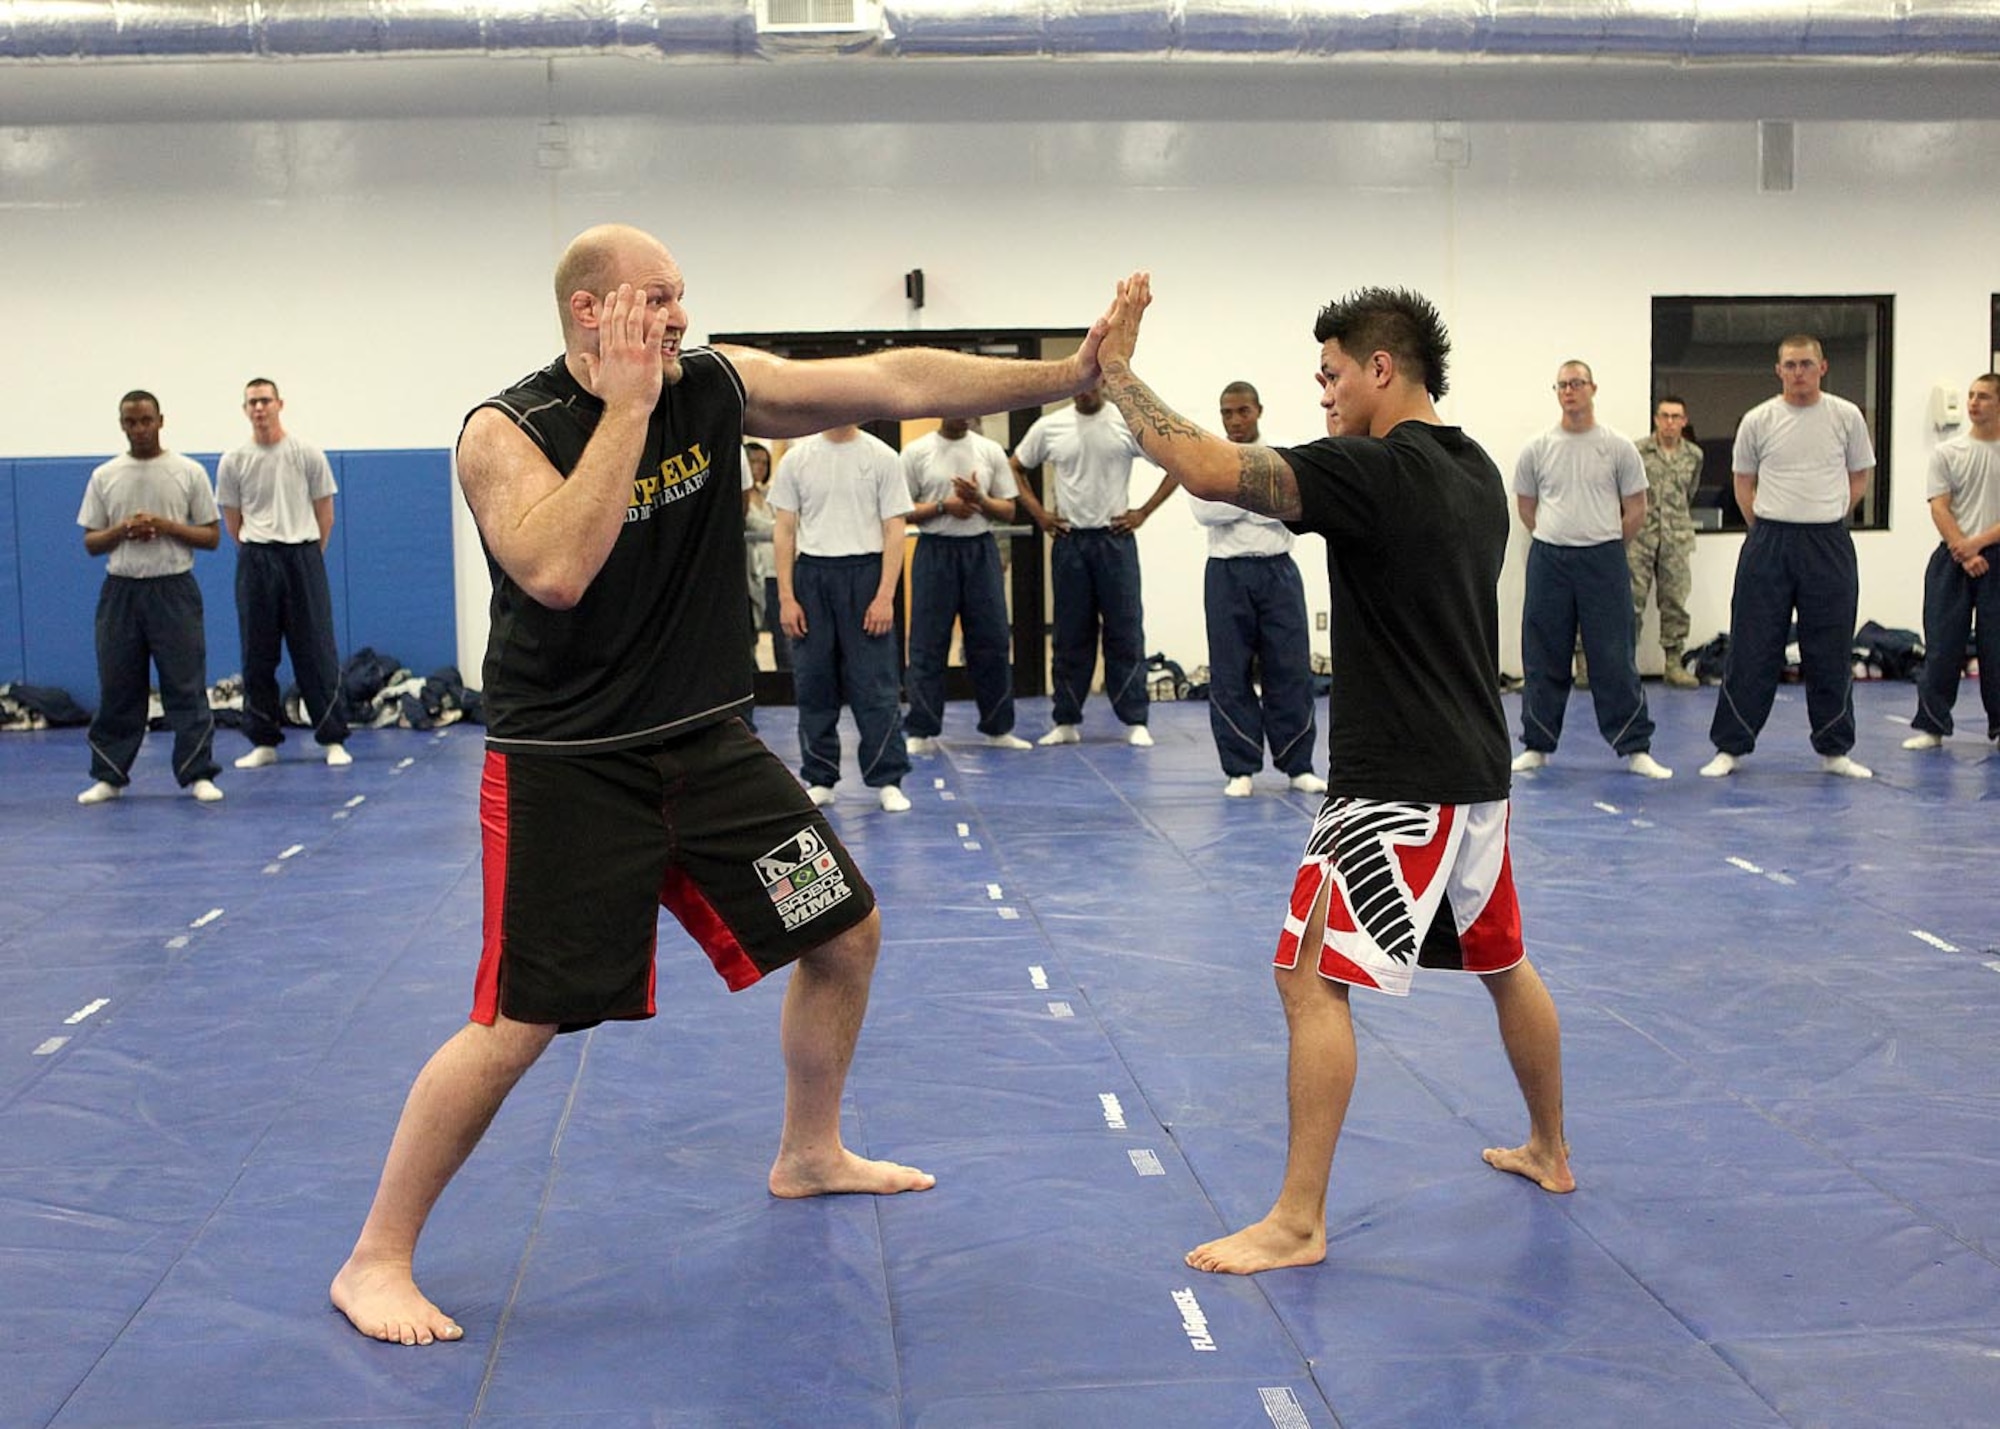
x: 1720, y: 354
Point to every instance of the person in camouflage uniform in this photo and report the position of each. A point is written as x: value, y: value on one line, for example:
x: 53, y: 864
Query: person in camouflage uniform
x: 1662, y: 554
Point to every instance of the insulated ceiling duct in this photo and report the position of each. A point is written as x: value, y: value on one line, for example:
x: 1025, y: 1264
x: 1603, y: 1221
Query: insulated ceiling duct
x: 1938, y: 32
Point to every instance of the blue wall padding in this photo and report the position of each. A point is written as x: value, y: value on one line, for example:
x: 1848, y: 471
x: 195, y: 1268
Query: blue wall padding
x: 389, y: 566
x: 396, y: 508
x: 11, y: 664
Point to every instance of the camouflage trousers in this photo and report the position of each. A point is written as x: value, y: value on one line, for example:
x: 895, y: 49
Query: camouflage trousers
x: 1662, y: 556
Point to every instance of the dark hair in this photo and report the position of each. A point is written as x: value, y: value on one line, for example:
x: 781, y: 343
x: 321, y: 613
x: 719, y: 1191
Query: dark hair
x: 1392, y: 320
x: 263, y: 382
x: 1246, y: 389
x: 1990, y: 378
x: 1687, y: 432
x: 140, y: 394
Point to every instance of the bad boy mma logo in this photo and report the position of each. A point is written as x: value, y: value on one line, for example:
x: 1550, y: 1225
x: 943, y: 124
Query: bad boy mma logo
x: 802, y: 878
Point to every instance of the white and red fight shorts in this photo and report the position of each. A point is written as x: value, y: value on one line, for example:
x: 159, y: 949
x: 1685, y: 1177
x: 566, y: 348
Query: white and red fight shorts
x: 1406, y: 886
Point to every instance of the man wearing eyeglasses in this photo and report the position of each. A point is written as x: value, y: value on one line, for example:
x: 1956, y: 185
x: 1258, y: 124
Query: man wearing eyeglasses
x: 1581, y: 491
x: 1802, y: 462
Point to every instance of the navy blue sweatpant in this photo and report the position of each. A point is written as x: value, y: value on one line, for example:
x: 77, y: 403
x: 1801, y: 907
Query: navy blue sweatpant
x: 1096, y: 579
x: 157, y: 621
x: 836, y: 663
x: 1787, y: 567
x: 1256, y: 608
x: 1953, y: 602
x: 1587, y: 589
x: 958, y: 578
x: 281, y: 595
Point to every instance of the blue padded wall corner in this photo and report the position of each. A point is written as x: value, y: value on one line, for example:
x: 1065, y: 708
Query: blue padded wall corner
x: 397, y: 559
x: 388, y: 564
x: 13, y: 657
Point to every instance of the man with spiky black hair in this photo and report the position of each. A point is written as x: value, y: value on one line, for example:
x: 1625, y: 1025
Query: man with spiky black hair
x: 1407, y: 863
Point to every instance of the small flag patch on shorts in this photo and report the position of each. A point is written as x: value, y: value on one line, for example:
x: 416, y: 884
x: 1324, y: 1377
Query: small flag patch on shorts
x: 803, y: 878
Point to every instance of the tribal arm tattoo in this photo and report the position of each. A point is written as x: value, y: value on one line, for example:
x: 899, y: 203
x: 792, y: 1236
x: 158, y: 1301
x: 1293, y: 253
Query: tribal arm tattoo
x: 1266, y: 484
x: 1200, y: 460
x: 1145, y: 412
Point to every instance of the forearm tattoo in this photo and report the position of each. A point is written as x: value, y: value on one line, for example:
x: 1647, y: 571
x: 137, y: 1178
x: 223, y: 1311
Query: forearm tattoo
x: 1145, y: 412
x: 1265, y: 483
x: 1264, y: 480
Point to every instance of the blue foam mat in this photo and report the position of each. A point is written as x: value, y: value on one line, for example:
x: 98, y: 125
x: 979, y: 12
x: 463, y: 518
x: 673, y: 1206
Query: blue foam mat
x: 1777, y: 1005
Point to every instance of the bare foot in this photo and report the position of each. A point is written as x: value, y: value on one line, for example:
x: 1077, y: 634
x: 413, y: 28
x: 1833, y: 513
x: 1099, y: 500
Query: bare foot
x: 847, y: 1174
x: 383, y: 1302
x: 1549, y: 1171
x: 1263, y: 1246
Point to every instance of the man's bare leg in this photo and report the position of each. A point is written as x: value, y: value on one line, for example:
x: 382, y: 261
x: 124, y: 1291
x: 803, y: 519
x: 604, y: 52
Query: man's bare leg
x: 449, y: 1108
x: 1320, y: 1080
x: 1533, y: 1037
x: 824, y: 1006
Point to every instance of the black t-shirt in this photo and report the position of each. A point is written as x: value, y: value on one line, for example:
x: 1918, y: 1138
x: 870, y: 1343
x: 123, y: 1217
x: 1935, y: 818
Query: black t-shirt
x: 1416, y: 530
x: 659, y: 644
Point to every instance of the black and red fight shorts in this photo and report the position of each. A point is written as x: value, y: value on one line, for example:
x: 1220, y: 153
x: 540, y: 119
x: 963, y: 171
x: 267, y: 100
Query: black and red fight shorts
x: 582, y: 851
x: 1405, y: 885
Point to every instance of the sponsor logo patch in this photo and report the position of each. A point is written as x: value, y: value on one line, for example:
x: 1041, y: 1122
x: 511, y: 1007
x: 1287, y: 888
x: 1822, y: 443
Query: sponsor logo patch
x: 802, y: 878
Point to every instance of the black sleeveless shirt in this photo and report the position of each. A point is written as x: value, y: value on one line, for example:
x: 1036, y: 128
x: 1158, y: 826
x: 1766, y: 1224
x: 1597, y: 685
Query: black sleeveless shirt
x: 659, y: 645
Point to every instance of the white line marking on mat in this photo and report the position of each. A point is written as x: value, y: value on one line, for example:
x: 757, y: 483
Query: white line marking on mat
x: 1061, y: 1009
x: 1743, y: 863
x: 1608, y: 808
x: 1934, y: 940
x: 293, y: 852
x: 964, y: 830
x: 1038, y: 978
x: 1146, y: 1162
x: 1009, y: 913
x: 98, y: 1005
x: 179, y: 940
x: 973, y: 845
x: 406, y: 763
x: 993, y: 892
x: 54, y: 1044
x: 356, y: 802
x: 209, y: 917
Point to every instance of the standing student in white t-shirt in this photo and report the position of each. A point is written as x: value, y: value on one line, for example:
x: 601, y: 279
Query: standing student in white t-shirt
x: 1581, y: 491
x: 960, y: 485
x: 147, y: 512
x: 276, y: 497
x: 1093, y: 559
x: 1802, y: 462
x: 1254, y: 604
x: 841, y: 506
x: 1959, y: 582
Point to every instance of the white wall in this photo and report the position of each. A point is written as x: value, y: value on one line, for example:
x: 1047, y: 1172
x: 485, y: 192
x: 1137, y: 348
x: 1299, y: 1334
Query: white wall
x: 391, y: 270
